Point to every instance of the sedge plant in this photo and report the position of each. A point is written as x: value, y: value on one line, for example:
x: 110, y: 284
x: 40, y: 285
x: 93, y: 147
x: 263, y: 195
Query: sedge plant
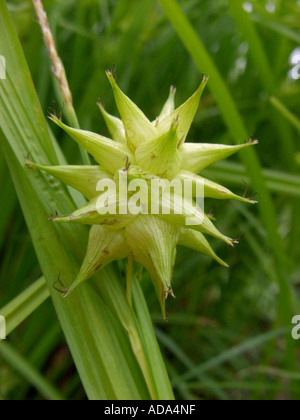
x: 149, y: 151
x: 144, y: 150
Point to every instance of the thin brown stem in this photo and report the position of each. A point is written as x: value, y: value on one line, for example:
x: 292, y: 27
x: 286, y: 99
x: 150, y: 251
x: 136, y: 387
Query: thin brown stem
x: 58, y: 68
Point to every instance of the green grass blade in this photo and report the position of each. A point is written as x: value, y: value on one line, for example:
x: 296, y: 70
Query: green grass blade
x: 28, y: 372
x: 232, y: 173
x: 8, y: 200
x: 228, y: 355
x: 23, y: 305
x: 266, y: 75
x: 234, y: 386
x: 187, y: 362
x: 259, y: 57
x: 91, y: 331
x: 238, y: 130
x: 286, y: 113
x: 278, y: 27
x: 156, y: 362
x: 115, y: 295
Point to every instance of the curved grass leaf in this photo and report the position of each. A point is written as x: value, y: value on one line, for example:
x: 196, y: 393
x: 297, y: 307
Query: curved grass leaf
x: 99, y: 344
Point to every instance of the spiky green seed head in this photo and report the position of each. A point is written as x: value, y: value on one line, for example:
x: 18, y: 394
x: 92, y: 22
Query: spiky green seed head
x: 141, y: 150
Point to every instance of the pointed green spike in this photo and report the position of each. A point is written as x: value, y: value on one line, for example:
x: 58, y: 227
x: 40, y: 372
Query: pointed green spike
x: 137, y: 126
x: 82, y: 178
x: 183, y: 212
x: 185, y: 114
x: 105, y: 246
x: 211, y: 189
x: 153, y: 243
x: 111, y: 155
x: 198, y: 156
x: 90, y: 214
x: 160, y: 155
x: 197, y: 241
x: 169, y: 106
x: 114, y: 125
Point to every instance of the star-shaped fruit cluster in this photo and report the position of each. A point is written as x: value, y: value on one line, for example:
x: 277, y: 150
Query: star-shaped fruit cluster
x: 144, y: 150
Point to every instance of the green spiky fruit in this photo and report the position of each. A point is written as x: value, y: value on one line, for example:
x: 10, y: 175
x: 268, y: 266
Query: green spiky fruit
x: 144, y: 150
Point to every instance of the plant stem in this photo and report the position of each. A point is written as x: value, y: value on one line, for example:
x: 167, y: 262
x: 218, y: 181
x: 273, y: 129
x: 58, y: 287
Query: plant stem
x: 58, y: 71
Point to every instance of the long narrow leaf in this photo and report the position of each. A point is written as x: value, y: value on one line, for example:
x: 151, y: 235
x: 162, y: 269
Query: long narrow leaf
x: 28, y: 372
x: 23, y: 305
x: 86, y: 321
x: 238, y: 130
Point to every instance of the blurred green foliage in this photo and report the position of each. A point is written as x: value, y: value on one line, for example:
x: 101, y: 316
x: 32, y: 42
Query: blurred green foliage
x: 216, y: 309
